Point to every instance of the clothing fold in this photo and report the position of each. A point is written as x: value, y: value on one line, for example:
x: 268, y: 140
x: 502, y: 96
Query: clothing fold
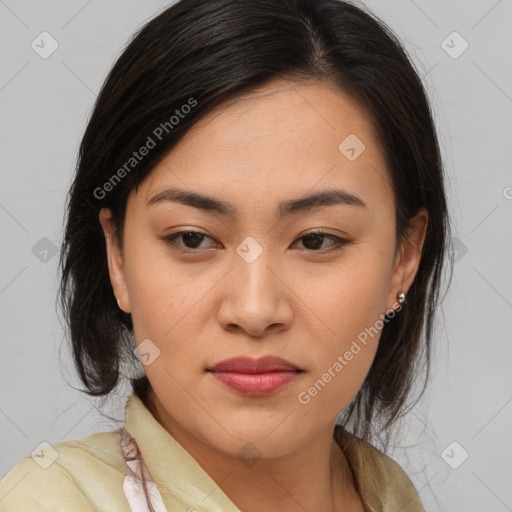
x: 142, y: 468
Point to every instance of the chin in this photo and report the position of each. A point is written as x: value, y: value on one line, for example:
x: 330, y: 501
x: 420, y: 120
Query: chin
x: 255, y: 438
x: 249, y: 448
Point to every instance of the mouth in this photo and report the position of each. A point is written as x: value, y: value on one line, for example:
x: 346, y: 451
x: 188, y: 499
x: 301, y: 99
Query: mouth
x: 255, y: 377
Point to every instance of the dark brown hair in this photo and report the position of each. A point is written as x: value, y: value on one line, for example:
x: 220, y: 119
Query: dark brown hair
x: 203, y: 53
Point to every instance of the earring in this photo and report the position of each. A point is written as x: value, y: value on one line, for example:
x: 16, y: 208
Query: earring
x: 118, y: 305
x: 400, y: 296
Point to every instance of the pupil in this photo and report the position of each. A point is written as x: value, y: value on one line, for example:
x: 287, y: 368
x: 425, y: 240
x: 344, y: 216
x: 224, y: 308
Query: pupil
x: 318, y: 238
x: 197, y: 236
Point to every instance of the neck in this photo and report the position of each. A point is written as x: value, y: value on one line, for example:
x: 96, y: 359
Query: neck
x: 315, y: 477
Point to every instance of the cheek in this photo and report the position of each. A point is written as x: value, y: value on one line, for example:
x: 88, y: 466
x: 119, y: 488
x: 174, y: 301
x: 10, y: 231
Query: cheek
x: 163, y: 293
x: 342, y: 357
x: 170, y: 303
x: 350, y: 305
x: 335, y: 386
x: 348, y: 298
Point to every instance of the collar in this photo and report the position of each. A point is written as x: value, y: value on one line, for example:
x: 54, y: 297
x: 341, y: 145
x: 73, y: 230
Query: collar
x: 184, y: 484
x: 362, y: 462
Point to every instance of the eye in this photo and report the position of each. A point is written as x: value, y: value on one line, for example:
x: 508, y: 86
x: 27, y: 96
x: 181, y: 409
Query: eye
x: 190, y: 239
x: 314, y: 240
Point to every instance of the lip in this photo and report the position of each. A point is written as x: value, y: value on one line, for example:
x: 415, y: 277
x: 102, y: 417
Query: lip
x: 255, y: 377
x: 249, y: 365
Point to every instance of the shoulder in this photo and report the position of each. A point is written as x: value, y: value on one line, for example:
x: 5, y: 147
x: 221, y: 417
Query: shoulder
x: 382, y: 481
x: 81, y: 475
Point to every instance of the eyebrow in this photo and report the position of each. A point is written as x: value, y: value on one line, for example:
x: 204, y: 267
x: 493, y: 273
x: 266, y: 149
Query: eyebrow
x: 323, y: 198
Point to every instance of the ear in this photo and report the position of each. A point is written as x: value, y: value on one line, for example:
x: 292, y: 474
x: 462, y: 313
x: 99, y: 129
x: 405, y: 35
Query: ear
x: 408, y: 258
x: 115, y: 260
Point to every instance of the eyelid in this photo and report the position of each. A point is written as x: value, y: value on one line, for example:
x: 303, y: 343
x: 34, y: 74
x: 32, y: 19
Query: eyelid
x: 170, y: 241
x: 338, y: 242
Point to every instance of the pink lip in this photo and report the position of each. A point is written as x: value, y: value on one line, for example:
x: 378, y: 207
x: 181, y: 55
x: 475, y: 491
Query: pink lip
x: 255, y: 377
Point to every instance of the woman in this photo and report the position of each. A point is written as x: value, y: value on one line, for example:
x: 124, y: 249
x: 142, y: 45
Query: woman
x: 259, y: 208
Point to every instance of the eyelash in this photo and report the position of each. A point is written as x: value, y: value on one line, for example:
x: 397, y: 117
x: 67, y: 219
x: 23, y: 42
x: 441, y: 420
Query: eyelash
x: 340, y: 243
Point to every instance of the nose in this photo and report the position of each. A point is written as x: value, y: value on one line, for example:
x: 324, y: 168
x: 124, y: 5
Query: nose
x: 255, y: 298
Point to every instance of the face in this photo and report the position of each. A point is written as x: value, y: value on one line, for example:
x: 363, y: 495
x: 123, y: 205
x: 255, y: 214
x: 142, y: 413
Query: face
x: 267, y: 273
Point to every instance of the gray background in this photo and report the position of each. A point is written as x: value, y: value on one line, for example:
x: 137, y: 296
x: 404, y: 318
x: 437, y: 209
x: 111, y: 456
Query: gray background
x: 45, y: 104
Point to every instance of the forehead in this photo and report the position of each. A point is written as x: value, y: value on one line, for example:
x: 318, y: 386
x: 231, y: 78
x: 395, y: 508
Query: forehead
x: 282, y: 139
x: 280, y: 112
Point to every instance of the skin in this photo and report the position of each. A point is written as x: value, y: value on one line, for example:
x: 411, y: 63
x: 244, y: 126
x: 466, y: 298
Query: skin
x: 300, y: 299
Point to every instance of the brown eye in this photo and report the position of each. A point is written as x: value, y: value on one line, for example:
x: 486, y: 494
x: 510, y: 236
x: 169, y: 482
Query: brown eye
x: 191, y: 240
x: 313, y: 241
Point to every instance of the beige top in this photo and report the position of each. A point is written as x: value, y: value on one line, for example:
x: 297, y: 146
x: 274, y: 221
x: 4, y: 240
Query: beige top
x: 87, y: 474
